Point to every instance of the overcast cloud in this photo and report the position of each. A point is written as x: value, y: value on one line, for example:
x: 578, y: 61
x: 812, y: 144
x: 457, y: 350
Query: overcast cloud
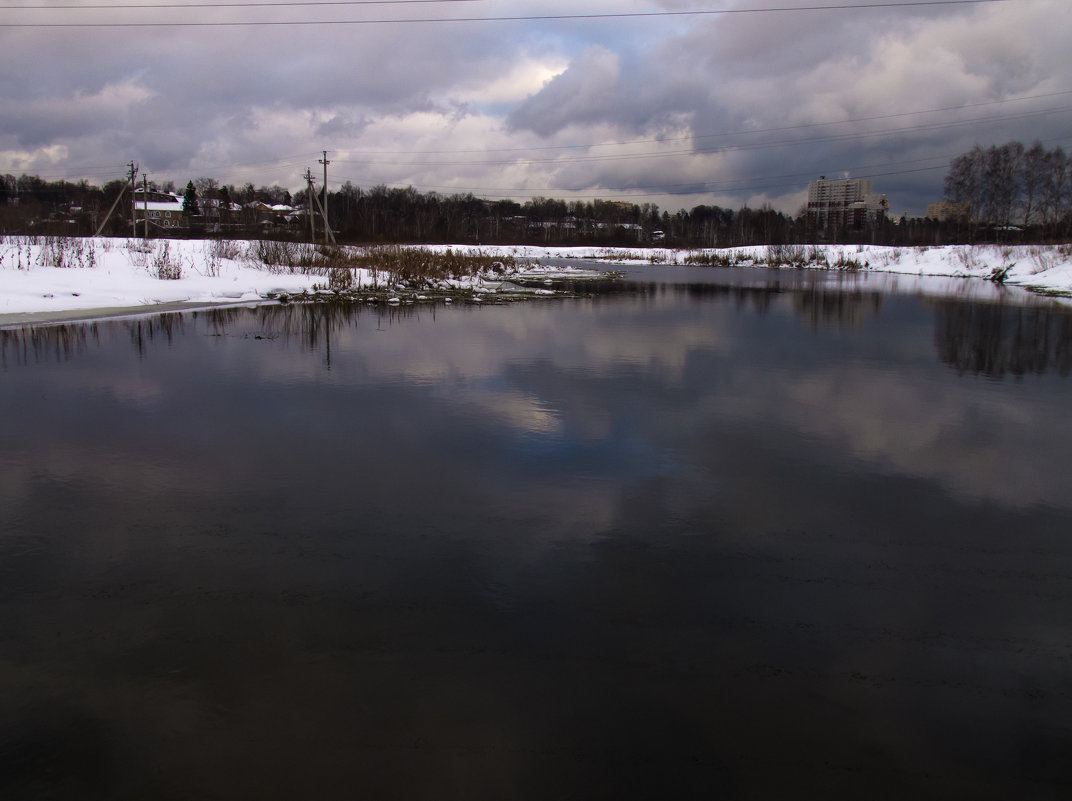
x: 674, y: 110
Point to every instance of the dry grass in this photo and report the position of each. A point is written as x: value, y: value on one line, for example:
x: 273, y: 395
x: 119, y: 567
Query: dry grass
x: 163, y: 264
x: 710, y: 258
x: 423, y: 265
x: 386, y: 264
x: 617, y: 254
x: 846, y: 263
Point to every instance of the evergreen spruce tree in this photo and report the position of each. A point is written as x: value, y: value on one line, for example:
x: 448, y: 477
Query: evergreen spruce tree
x: 189, y: 201
x: 225, y: 204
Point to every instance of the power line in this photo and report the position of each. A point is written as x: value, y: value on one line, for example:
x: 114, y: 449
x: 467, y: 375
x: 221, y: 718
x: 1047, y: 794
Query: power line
x: 81, y: 173
x: 298, y: 158
x: 295, y: 159
x: 745, y: 132
x: 736, y: 184
x: 722, y: 148
x: 724, y: 183
x: 291, y: 4
x: 703, y: 187
x: 517, y: 18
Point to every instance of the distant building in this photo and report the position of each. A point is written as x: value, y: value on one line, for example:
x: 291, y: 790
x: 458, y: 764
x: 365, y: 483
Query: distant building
x: 836, y: 204
x: 163, y: 208
x: 949, y: 211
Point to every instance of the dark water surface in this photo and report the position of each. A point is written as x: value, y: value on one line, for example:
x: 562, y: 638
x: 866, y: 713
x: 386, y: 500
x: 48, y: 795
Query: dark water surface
x: 754, y: 537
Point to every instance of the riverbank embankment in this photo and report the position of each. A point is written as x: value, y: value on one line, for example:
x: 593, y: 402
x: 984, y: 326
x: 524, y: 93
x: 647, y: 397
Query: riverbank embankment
x: 49, y: 279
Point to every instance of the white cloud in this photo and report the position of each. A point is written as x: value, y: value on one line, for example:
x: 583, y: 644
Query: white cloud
x: 517, y: 81
x: 250, y: 102
x: 41, y: 158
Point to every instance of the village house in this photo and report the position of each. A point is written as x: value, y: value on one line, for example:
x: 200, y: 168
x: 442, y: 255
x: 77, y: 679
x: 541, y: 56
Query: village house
x: 164, y: 209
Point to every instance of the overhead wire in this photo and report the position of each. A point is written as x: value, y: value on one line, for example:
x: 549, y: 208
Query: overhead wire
x: 722, y: 182
x: 503, y: 18
x: 296, y: 158
x: 662, y: 188
x: 283, y: 4
x: 741, y: 132
x: 736, y: 184
x: 715, y: 150
x: 710, y: 188
x: 694, y: 188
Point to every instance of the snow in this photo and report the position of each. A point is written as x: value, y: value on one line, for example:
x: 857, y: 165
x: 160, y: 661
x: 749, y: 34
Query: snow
x: 108, y: 273
x: 1040, y: 268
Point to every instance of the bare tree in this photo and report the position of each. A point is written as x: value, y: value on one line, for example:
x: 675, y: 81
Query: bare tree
x: 1035, y: 168
x: 965, y: 182
x: 1007, y: 183
x: 1049, y: 202
x: 206, y: 187
x: 1003, y: 181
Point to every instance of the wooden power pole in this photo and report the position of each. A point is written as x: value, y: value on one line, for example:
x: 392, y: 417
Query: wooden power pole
x: 309, y: 203
x: 133, y: 200
x: 145, y: 202
x: 324, y: 207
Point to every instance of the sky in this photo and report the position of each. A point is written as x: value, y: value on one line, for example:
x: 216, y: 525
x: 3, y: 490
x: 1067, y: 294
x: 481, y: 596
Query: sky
x: 671, y: 102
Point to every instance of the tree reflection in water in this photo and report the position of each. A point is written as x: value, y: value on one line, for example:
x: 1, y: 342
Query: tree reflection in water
x: 988, y: 339
x: 997, y: 340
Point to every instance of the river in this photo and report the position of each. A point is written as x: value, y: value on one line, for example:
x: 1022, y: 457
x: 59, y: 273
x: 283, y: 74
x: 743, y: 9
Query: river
x: 710, y: 533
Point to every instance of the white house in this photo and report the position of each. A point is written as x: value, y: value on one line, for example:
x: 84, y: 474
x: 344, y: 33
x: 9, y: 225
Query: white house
x: 164, y: 209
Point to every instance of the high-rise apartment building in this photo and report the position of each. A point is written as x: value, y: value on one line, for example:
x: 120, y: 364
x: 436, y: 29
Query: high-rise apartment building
x: 840, y: 203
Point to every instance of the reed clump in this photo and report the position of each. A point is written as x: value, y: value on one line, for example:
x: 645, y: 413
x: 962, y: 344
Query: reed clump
x: 388, y: 264
x: 712, y: 258
x: 424, y: 265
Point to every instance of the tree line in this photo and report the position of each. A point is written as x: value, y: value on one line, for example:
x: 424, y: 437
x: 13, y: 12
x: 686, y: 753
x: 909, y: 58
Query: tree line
x: 1015, y: 194
x: 1010, y: 185
x: 382, y: 214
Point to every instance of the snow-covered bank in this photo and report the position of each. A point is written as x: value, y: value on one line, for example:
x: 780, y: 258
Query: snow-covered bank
x: 38, y: 275
x: 50, y: 276
x: 106, y: 273
x: 1042, y: 268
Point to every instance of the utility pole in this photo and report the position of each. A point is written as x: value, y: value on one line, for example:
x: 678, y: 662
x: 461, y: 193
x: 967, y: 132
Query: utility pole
x: 108, y: 216
x: 324, y: 208
x: 133, y: 199
x: 309, y: 203
x: 145, y: 202
x: 327, y: 228
x: 115, y: 203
